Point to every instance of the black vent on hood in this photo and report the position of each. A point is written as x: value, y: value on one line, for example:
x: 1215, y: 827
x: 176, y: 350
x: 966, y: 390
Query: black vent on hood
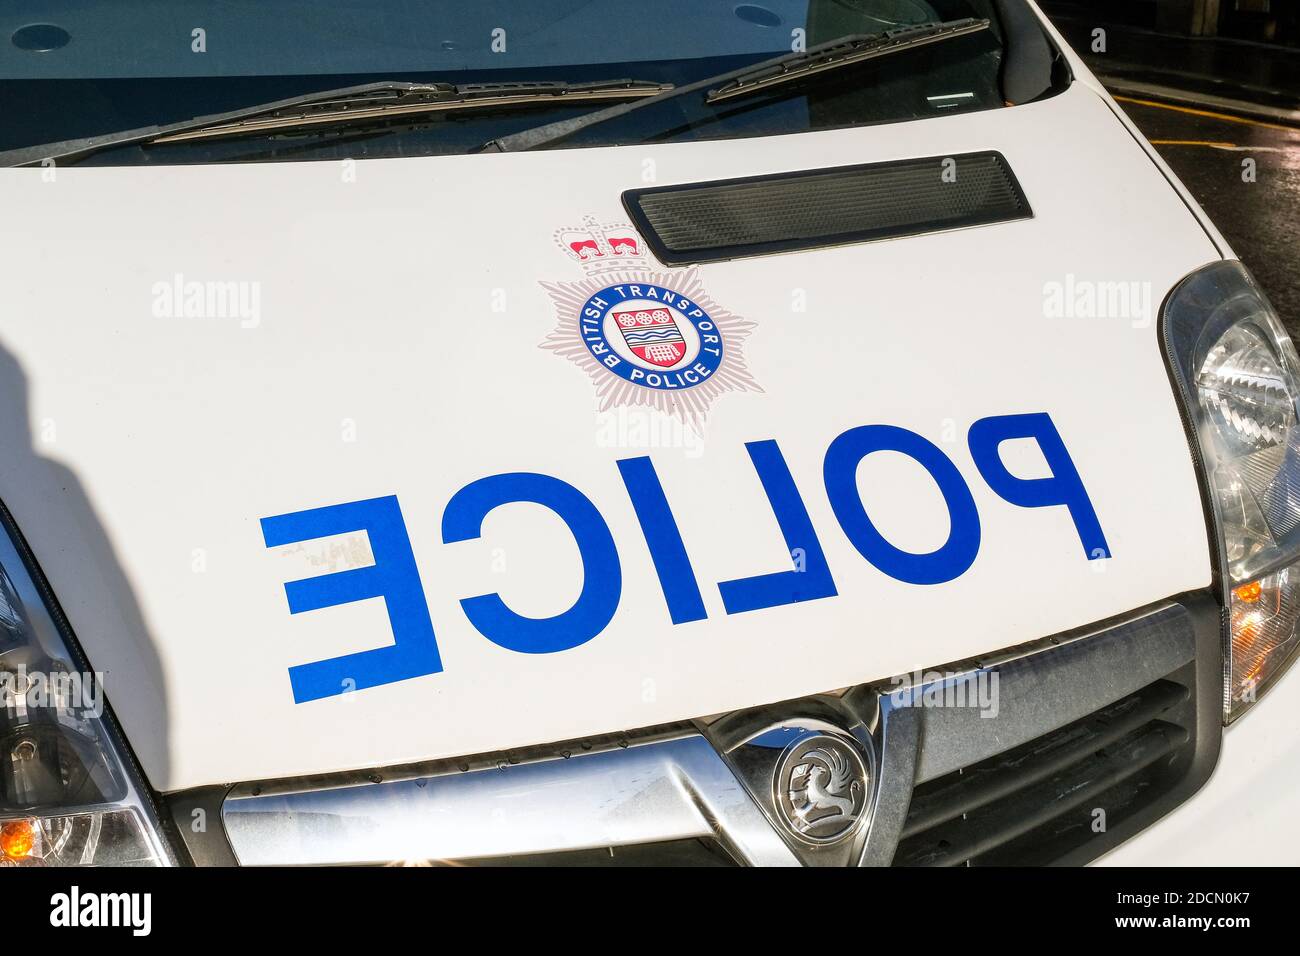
x: 735, y: 218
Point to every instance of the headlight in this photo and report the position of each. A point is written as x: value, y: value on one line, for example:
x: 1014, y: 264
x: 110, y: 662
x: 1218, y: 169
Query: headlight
x: 1239, y: 379
x: 68, y: 794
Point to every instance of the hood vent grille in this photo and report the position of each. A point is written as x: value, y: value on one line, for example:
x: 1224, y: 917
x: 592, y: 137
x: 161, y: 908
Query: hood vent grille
x: 810, y: 209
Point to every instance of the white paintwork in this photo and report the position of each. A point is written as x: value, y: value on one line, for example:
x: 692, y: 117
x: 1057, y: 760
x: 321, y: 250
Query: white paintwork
x: 134, y: 446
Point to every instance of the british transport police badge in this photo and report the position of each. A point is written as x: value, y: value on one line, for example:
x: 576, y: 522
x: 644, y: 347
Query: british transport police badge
x: 646, y: 338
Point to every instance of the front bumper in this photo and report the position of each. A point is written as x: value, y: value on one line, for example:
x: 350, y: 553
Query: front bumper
x: 1054, y: 752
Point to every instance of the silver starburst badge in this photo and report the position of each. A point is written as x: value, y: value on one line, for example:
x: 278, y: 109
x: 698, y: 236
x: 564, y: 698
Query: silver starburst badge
x: 646, y: 338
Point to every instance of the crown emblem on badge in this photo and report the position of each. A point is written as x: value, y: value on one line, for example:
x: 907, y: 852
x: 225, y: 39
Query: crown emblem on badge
x: 601, y: 248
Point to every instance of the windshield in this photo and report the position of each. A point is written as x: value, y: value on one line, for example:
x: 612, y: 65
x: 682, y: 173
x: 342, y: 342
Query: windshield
x: 77, y: 68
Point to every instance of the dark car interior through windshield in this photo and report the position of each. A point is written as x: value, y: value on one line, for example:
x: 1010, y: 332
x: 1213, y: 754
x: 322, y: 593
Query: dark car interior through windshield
x: 81, y: 68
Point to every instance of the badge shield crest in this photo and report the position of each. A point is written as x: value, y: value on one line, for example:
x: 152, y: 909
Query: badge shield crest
x: 652, y: 335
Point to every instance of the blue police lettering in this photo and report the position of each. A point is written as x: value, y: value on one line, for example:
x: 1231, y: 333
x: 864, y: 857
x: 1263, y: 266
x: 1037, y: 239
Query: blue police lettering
x: 1064, y: 487
x: 664, y: 539
x: 840, y: 471
x: 602, y: 574
x: 394, y: 576
x: 782, y: 587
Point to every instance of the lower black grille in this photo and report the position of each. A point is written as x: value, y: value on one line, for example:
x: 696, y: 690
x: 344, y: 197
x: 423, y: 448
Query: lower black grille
x: 1049, y: 799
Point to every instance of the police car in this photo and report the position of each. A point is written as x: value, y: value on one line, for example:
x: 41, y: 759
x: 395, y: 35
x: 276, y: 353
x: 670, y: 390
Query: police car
x: 796, y: 432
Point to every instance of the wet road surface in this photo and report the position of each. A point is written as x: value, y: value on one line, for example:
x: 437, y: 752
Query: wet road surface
x: 1260, y: 218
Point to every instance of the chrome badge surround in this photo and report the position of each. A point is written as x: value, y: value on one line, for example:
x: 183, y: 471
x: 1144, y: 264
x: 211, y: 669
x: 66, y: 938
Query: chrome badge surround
x: 812, y: 772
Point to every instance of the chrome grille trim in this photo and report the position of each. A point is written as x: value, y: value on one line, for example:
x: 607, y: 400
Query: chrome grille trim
x: 1041, y: 692
x: 647, y: 793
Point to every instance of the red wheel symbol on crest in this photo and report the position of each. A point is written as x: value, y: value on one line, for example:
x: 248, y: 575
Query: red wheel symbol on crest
x: 652, y: 335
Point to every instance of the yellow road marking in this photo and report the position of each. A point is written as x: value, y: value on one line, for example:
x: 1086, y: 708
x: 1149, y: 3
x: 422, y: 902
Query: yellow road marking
x: 1225, y: 117
x: 1230, y: 147
x: 1193, y: 142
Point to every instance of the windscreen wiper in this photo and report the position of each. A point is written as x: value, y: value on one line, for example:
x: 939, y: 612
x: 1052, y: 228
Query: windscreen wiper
x: 840, y: 53
x: 369, y: 102
x: 787, y: 68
